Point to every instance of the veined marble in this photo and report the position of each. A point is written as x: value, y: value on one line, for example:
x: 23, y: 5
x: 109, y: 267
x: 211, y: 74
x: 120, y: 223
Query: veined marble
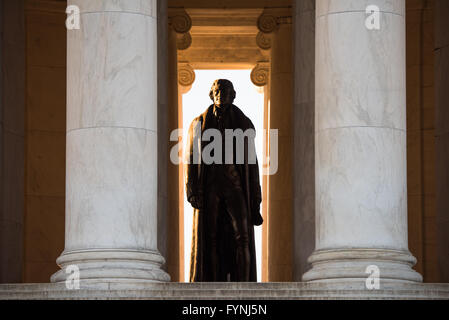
x: 112, y: 72
x: 111, y: 193
x: 361, y: 197
x: 111, y: 188
x: 360, y: 144
x: 143, y: 7
x: 361, y: 72
x: 327, y: 7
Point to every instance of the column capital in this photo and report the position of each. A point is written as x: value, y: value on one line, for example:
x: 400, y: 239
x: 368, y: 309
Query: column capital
x: 183, y: 41
x: 179, y: 20
x: 270, y: 19
x: 264, y: 41
x: 268, y: 22
x: 186, y: 76
x: 261, y: 73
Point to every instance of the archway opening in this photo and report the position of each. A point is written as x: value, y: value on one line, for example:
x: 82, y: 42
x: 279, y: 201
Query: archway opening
x: 250, y: 99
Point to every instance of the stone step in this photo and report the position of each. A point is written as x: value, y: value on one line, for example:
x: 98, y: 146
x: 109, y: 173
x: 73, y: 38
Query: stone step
x: 230, y: 291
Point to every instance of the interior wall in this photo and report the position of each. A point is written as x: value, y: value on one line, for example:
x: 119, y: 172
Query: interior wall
x: 442, y: 134
x: 45, y: 138
x: 12, y: 106
x: 421, y: 137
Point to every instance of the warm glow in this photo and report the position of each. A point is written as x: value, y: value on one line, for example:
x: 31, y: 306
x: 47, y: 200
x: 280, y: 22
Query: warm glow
x: 250, y: 100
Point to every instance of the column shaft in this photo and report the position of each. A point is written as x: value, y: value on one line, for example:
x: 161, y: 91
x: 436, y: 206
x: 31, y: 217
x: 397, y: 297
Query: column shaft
x: 175, y: 252
x: 304, y: 136
x: 360, y: 143
x: 280, y: 197
x: 163, y: 134
x: 111, y: 196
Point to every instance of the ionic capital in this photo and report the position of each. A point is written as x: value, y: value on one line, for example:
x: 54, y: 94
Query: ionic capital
x: 186, y: 76
x: 271, y: 19
x: 184, y: 41
x: 267, y: 23
x: 179, y: 20
x: 261, y: 74
x: 263, y: 41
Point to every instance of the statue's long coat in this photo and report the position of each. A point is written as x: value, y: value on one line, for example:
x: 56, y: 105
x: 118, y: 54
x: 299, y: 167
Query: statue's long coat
x: 194, y: 178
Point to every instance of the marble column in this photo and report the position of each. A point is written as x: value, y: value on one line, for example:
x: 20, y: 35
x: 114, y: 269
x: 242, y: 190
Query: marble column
x: 442, y: 135
x: 304, y: 136
x: 111, y: 193
x: 360, y: 144
x: 163, y: 223
x: 278, y: 23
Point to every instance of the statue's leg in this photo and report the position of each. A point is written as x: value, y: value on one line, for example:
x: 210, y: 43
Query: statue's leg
x: 236, y: 208
x: 211, y: 217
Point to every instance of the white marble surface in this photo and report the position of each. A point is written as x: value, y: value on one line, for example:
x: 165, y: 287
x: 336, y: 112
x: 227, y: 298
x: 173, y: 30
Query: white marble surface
x: 326, y: 7
x: 145, y: 7
x: 111, y: 189
x: 360, y: 143
x: 111, y: 192
x: 361, y: 72
x: 112, y: 74
x: 361, y: 198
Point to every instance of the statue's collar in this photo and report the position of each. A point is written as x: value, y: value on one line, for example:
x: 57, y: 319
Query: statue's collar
x: 219, y: 111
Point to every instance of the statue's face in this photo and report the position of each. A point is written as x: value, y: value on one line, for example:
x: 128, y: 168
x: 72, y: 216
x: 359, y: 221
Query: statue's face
x: 222, y: 96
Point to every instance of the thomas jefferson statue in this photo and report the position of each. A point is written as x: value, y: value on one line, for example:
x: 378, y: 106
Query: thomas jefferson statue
x: 225, y: 195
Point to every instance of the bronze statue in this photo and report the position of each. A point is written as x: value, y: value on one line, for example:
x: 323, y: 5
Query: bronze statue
x: 226, y: 196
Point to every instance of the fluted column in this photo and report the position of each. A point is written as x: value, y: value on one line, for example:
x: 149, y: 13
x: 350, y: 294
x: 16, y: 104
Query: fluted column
x: 111, y: 194
x: 360, y: 136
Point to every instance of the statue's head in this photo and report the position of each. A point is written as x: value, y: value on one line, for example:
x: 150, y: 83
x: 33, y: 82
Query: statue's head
x: 222, y: 92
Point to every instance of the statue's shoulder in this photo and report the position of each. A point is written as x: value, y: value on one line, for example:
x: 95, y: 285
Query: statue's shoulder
x: 201, y: 117
x: 204, y: 114
x: 247, y: 123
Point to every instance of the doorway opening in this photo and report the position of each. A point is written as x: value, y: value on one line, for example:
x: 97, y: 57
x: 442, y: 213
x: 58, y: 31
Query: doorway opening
x: 250, y: 99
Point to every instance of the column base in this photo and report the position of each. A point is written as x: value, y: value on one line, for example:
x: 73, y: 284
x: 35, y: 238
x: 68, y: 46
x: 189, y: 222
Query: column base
x: 114, y: 265
x: 351, y: 265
